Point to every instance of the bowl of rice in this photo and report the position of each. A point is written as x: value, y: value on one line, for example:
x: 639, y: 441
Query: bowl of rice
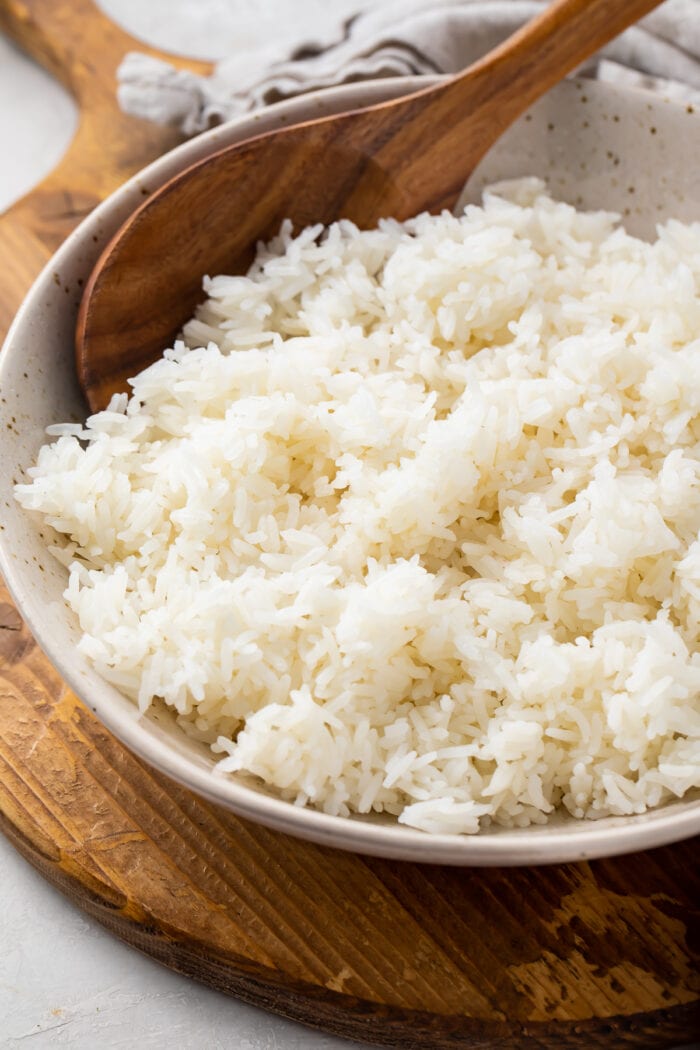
x: 397, y: 548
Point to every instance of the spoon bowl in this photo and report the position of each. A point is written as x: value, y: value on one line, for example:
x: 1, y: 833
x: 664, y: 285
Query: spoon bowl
x: 393, y: 159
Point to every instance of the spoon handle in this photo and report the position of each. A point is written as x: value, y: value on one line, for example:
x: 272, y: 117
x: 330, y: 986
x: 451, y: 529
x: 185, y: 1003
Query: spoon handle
x: 457, y: 122
x: 544, y: 50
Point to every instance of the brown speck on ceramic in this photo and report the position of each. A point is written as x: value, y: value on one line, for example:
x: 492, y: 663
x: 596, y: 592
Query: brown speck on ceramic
x: 585, y: 124
x: 550, y: 127
x: 690, y: 109
x: 630, y: 189
x: 616, y: 118
x: 652, y: 130
x: 584, y: 98
x: 56, y: 279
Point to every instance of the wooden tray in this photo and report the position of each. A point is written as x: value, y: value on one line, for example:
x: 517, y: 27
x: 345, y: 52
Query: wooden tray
x: 601, y: 954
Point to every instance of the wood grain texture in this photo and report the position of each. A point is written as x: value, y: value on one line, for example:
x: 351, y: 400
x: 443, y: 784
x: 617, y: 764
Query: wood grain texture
x: 83, y: 48
x: 602, y: 954
x: 394, y: 159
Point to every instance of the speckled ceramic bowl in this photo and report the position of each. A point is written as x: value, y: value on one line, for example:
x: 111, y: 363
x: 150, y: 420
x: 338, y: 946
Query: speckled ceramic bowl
x: 598, y: 147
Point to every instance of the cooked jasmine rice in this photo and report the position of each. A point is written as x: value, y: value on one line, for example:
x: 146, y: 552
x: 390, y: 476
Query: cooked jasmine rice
x: 409, y: 521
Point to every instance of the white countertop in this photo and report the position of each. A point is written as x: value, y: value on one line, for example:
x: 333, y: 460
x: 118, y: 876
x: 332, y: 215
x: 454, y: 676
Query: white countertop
x: 64, y: 981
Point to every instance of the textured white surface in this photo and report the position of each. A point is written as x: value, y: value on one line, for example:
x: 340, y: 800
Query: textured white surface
x: 215, y: 28
x: 37, y: 121
x: 64, y: 981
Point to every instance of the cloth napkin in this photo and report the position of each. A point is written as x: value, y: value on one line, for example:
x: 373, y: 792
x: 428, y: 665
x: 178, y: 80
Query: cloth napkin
x: 400, y: 38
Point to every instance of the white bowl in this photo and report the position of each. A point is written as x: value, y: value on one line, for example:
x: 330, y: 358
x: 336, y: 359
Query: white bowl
x: 598, y: 147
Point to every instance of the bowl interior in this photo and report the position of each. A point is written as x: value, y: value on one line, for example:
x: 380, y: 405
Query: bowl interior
x: 597, y: 147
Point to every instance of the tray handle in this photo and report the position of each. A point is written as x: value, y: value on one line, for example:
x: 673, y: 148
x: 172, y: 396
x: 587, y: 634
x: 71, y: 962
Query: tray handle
x: 82, y: 48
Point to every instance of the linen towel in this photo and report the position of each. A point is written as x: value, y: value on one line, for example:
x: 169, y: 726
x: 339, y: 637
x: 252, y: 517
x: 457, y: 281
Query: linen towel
x: 401, y: 38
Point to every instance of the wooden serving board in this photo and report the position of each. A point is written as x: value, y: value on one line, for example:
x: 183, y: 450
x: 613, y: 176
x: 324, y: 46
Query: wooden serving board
x: 602, y: 954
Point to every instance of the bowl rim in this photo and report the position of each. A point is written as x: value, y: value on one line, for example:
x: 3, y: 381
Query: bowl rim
x: 571, y: 840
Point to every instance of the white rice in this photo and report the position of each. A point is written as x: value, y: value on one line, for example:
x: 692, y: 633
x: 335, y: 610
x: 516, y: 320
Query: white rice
x: 413, y: 526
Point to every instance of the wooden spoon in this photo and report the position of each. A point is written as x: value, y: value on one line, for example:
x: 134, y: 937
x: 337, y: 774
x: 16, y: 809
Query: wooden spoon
x: 394, y: 159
